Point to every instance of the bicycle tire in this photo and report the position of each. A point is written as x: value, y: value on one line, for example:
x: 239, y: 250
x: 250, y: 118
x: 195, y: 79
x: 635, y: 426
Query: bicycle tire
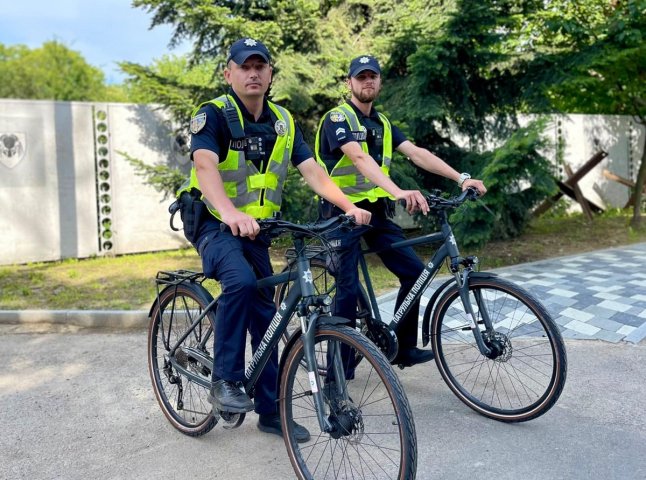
x: 377, y: 416
x: 183, y: 402
x: 527, y: 377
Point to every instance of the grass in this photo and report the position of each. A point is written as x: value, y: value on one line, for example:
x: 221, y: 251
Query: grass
x: 126, y: 282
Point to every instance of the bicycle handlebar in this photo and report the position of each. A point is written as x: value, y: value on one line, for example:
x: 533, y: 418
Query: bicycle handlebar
x: 436, y: 202
x: 276, y: 226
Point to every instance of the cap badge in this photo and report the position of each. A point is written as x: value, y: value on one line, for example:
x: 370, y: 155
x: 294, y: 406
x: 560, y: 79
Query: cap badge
x: 364, y: 60
x: 198, y: 122
x: 250, y: 42
x: 337, y: 117
x: 281, y: 127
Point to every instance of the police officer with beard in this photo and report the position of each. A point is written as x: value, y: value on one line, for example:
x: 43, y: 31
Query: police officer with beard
x: 355, y: 144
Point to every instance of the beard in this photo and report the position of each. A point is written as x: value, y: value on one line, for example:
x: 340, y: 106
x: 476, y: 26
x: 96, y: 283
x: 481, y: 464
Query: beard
x: 366, y: 96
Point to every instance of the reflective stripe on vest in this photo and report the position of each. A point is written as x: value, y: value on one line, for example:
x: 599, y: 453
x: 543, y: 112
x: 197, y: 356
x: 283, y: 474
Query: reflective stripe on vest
x: 344, y: 174
x: 256, y: 194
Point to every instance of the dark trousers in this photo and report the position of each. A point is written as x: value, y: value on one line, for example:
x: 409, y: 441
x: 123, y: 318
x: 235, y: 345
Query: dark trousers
x: 403, y: 263
x: 236, y: 263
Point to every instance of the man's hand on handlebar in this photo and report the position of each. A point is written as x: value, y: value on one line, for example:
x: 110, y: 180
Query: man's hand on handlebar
x: 241, y: 224
x: 361, y: 217
x: 477, y: 184
x: 414, y: 201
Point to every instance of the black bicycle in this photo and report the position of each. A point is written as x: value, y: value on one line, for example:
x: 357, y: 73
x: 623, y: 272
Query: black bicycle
x: 360, y: 428
x: 495, y: 344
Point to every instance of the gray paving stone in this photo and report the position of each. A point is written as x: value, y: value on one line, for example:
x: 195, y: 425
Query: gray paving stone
x: 599, y: 311
x: 606, y: 324
x: 599, y: 273
x: 613, y: 337
x: 637, y: 335
x: 628, y: 319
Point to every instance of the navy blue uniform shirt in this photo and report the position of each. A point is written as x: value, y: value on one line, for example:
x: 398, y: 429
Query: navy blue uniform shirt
x: 336, y: 134
x: 215, y: 135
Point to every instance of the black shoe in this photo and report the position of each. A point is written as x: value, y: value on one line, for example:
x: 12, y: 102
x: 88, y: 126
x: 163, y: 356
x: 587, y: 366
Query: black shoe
x: 227, y: 396
x: 412, y: 356
x: 271, y: 424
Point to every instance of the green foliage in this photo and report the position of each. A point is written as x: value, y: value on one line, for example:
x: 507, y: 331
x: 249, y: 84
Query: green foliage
x: 455, y: 73
x: 517, y: 177
x: 51, y: 72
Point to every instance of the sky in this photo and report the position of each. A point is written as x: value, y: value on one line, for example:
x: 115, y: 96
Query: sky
x: 103, y: 31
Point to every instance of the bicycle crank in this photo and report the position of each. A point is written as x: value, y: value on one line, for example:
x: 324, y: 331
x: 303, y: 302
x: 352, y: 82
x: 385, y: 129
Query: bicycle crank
x: 383, y: 336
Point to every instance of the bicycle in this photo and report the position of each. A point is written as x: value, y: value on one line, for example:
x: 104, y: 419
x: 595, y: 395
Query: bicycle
x: 495, y: 344
x: 360, y: 428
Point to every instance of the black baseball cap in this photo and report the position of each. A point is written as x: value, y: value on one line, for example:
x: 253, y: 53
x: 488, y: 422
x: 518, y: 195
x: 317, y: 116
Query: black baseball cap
x: 364, y: 62
x: 246, y: 47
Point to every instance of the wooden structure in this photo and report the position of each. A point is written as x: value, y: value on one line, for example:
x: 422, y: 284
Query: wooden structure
x: 571, y: 188
x: 624, y: 181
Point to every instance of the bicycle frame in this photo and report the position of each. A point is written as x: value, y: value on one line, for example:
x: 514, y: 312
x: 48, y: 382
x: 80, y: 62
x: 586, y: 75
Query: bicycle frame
x: 299, y: 299
x: 448, y: 249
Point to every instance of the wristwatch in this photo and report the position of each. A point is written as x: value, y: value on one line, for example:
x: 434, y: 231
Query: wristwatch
x: 463, y: 177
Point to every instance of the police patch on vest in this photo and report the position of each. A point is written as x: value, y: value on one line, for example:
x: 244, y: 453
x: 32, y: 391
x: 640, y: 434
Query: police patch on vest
x: 198, y: 122
x: 337, y: 117
x: 281, y: 127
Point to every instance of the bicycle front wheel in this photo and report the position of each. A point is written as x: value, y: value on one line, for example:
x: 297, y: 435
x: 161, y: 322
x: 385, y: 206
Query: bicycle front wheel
x: 183, y: 401
x: 524, y: 376
x: 374, y: 433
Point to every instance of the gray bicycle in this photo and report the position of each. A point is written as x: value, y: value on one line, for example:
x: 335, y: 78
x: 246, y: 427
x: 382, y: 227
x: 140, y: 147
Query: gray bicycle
x: 496, y: 346
x: 361, y: 428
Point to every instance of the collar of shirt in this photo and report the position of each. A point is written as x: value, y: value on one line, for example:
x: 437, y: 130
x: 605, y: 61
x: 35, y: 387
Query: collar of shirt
x: 373, y: 112
x: 264, y: 116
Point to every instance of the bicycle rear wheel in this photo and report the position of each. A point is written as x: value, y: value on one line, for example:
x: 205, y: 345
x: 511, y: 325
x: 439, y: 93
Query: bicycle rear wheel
x: 374, y: 435
x: 183, y: 401
x: 526, y: 374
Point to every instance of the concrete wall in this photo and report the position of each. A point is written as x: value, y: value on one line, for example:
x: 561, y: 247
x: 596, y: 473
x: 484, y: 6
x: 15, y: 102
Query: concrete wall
x: 67, y: 192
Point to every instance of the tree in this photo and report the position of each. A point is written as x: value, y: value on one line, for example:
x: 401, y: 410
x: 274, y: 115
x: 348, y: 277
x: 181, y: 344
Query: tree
x: 592, y: 61
x: 50, y: 72
x: 456, y: 72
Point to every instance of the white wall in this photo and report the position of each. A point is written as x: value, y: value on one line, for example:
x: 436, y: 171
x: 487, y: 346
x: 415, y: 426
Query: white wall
x: 50, y: 200
x: 61, y: 194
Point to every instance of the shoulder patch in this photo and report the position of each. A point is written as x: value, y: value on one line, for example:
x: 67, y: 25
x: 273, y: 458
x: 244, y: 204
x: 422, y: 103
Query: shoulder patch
x: 337, y: 117
x: 198, y: 122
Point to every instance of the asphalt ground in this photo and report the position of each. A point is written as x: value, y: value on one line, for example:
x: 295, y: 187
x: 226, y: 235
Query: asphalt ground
x: 76, y: 401
x: 78, y: 404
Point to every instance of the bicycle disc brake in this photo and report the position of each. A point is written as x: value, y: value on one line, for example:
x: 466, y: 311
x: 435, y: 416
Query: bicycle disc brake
x: 383, y: 336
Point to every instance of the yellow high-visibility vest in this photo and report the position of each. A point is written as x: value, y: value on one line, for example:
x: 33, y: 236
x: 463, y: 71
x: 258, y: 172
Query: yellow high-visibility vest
x: 344, y: 174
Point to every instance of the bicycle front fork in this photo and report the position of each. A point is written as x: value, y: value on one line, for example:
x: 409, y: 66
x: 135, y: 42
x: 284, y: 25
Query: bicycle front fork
x: 463, y: 285
x: 309, y: 330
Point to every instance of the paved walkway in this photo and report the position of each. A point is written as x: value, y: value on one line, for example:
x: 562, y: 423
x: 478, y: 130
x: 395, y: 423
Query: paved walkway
x: 597, y: 295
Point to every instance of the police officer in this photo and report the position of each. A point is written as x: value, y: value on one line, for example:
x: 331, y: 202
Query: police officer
x: 241, y: 145
x: 355, y: 144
